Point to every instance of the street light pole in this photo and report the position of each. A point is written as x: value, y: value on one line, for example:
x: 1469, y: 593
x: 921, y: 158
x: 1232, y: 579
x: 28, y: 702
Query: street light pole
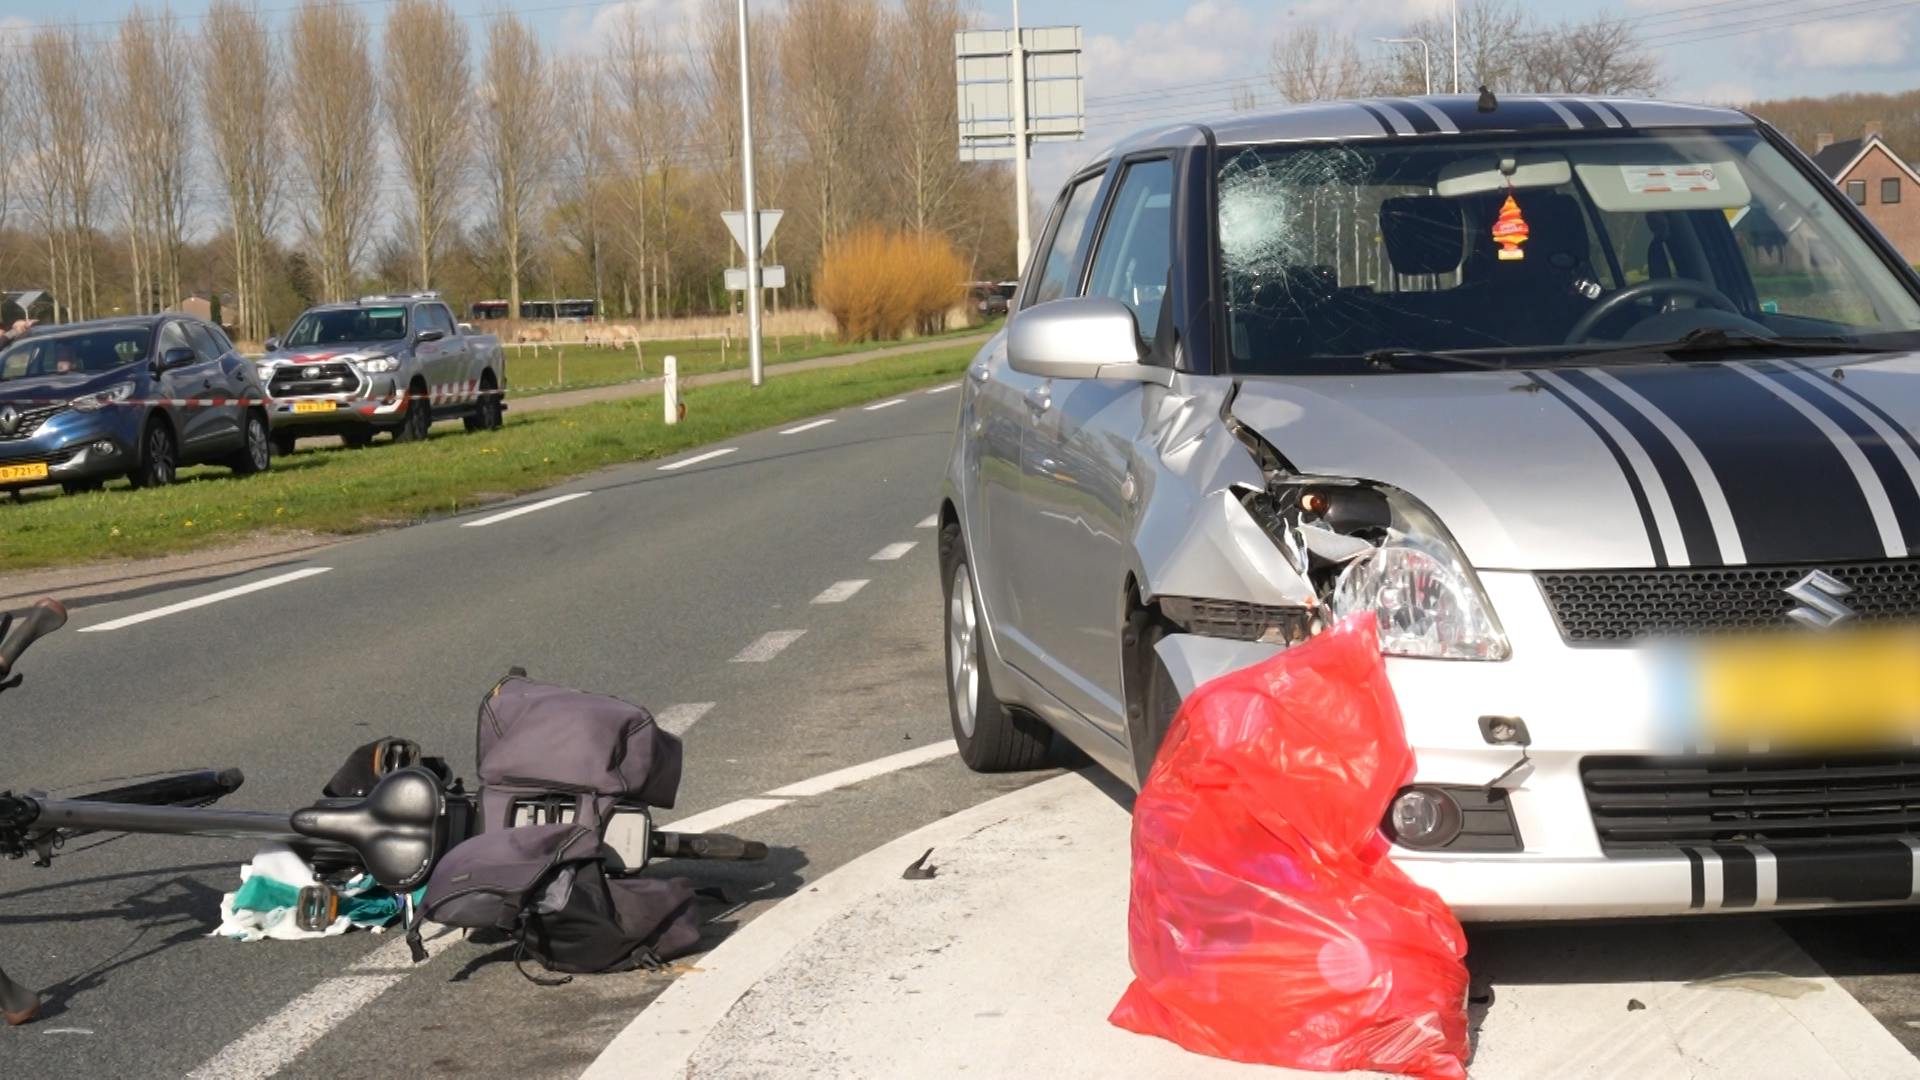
x: 1426, y: 54
x: 1020, y: 193
x: 754, y: 372
x: 1456, y: 46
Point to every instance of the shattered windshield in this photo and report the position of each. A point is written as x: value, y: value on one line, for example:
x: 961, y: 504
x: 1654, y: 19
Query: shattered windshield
x: 1536, y: 250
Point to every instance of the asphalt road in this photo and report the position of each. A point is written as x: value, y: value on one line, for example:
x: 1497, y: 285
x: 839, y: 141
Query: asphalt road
x: 718, y: 593
x: 648, y: 588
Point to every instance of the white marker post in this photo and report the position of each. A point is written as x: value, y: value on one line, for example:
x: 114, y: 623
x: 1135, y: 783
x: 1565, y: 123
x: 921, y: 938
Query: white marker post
x: 670, y: 392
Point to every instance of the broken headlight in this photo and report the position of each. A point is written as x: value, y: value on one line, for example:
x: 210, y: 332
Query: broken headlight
x: 1376, y: 549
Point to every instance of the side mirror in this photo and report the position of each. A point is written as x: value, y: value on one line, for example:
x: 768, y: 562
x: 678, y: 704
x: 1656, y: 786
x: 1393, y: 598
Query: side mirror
x: 272, y: 344
x: 1087, y: 337
x: 177, y: 357
x: 425, y: 336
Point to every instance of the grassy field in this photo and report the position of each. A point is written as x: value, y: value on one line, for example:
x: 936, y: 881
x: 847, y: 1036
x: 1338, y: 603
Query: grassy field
x: 347, y: 491
x: 572, y: 367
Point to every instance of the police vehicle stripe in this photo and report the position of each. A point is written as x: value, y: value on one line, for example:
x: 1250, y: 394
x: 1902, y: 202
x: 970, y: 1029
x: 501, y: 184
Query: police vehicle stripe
x: 1639, y: 472
x: 1566, y: 115
x: 1677, y: 479
x: 1583, y: 112
x: 1726, y: 531
x: 1885, y: 521
x: 1894, y: 461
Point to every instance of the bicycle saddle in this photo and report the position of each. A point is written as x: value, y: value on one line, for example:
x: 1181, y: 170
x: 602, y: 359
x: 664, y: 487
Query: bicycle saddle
x: 398, y: 830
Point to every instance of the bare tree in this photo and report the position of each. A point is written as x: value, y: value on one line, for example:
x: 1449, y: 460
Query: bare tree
x: 648, y: 124
x: 582, y: 97
x: 1508, y: 50
x: 1311, y: 63
x: 151, y: 99
x: 334, y: 125
x: 64, y: 144
x: 427, y: 83
x: 241, y: 95
x: 517, y: 136
x: 1602, y: 55
x: 926, y: 113
x: 829, y: 60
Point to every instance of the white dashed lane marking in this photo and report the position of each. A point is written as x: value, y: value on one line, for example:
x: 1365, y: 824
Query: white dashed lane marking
x: 943, y: 388
x: 892, y: 551
x: 698, y: 458
x: 203, y: 601
x: 884, y: 404
x: 807, y: 427
x: 505, y: 515
x: 839, y: 591
x: 928, y: 522
x: 769, y: 645
x: 866, y: 770
x: 678, y: 718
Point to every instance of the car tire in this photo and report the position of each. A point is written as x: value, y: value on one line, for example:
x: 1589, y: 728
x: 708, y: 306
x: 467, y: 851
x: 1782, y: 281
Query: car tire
x: 358, y: 440
x: 419, y: 418
x: 284, y: 444
x: 256, y: 455
x: 991, y: 737
x: 159, y: 457
x: 81, y: 487
x: 486, y: 414
x: 1158, y: 701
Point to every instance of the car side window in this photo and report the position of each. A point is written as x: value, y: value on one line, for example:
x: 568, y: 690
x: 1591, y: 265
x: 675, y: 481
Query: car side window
x: 203, y: 341
x: 171, y: 337
x: 1135, y: 256
x: 435, y: 317
x: 1063, y: 248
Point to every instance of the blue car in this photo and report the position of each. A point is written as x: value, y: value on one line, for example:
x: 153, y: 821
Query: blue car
x: 136, y: 397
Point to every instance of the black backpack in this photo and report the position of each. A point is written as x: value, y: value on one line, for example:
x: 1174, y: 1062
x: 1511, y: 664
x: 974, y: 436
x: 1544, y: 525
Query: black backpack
x: 555, y: 887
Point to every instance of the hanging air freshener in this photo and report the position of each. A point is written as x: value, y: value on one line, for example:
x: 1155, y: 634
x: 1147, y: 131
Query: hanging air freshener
x: 1510, y: 231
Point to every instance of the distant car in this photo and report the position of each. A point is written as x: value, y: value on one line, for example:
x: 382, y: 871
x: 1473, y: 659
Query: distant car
x: 991, y: 298
x: 1607, y: 412
x: 137, y: 397
x: 382, y: 363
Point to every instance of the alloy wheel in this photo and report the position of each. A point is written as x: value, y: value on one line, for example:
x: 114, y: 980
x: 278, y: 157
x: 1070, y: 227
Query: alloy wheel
x: 963, y: 657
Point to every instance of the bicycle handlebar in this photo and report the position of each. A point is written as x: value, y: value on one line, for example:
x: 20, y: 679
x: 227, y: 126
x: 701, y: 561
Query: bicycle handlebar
x: 43, y: 618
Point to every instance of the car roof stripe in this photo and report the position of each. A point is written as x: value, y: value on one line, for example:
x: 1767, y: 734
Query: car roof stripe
x: 1441, y: 119
x: 1422, y: 124
x: 1583, y: 112
x: 1385, y: 124
x: 1561, y: 111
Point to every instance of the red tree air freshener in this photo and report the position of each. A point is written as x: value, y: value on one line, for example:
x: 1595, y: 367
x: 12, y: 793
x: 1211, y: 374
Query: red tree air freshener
x: 1510, y: 230
x: 1266, y: 924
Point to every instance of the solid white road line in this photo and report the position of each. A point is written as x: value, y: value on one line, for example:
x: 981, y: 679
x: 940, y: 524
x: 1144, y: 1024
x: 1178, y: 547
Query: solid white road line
x: 928, y: 522
x: 884, y: 404
x: 698, y: 458
x: 678, y: 718
x: 280, y: 1038
x: 866, y: 770
x: 723, y: 815
x: 203, y: 601
x: 943, y: 388
x: 767, y: 647
x: 396, y: 956
x: 807, y: 426
x: 839, y: 591
x: 527, y: 509
x: 892, y: 551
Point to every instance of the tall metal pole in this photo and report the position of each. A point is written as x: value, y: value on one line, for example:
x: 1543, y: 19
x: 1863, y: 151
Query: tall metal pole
x: 1020, y: 140
x: 1456, y: 46
x: 1426, y: 55
x: 754, y: 373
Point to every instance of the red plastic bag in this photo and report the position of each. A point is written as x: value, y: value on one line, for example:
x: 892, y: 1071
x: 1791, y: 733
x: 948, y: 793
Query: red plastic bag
x: 1266, y: 923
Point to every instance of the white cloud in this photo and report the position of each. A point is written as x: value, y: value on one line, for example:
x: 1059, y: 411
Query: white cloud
x: 586, y: 32
x: 1848, y: 42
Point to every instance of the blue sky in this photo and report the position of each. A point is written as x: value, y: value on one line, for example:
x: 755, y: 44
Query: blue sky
x: 1149, y: 59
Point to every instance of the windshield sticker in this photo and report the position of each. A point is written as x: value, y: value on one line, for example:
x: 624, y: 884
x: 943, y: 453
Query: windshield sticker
x: 1510, y: 231
x: 1666, y: 179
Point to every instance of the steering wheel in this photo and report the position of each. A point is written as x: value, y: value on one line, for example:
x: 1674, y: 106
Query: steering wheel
x: 1583, y: 328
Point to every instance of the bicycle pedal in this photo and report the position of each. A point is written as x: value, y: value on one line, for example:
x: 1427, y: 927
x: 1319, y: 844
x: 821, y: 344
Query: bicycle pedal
x: 317, y: 909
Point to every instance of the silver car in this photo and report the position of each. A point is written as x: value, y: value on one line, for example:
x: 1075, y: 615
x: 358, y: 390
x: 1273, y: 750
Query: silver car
x: 1605, y: 408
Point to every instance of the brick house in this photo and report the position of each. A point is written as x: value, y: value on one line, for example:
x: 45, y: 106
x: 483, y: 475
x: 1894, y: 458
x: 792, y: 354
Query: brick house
x: 1876, y: 179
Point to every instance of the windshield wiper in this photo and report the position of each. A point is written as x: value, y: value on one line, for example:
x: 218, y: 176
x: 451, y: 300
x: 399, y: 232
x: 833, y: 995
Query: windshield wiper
x: 1715, y: 339
x: 1415, y: 359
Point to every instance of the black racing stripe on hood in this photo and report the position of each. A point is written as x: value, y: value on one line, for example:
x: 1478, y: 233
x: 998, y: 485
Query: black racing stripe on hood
x: 1793, y: 497
x: 1863, y: 401
x: 1513, y: 115
x: 1640, y: 500
x: 1696, y: 528
x: 1902, y: 493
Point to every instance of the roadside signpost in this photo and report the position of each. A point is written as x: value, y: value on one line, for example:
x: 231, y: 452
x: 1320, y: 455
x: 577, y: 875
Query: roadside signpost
x: 1018, y: 87
x: 753, y: 242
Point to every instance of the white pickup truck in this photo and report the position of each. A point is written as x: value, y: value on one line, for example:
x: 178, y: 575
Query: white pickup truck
x: 393, y: 363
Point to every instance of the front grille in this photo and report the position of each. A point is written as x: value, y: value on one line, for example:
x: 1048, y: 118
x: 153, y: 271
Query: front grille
x: 1238, y: 620
x: 30, y: 421
x: 293, y: 380
x: 1605, y: 607
x: 1642, y: 804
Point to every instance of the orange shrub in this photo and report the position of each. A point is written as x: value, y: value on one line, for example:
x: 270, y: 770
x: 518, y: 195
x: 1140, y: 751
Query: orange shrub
x: 879, y: 284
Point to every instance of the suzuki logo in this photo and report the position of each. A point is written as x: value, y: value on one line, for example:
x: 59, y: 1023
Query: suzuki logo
x: 1819, y: 594
x: 9, y: 419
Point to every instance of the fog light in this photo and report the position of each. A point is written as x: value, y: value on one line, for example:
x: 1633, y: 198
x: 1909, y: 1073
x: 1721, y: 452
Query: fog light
x: 104, y: 447
x: 1423, y: 818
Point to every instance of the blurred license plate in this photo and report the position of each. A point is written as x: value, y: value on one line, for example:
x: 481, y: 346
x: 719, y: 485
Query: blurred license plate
x: 36, y: 470
x: 1841, y: 690
x: 313, y: 406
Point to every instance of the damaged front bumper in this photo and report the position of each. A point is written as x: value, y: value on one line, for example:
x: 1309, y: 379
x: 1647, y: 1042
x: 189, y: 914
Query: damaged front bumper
x: 1591, y: 719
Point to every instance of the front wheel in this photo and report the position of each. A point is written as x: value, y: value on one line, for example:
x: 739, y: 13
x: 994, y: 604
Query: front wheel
x: 486, y: 414
x: 283, y: 444
x: 418, y: 420
x: 991, y: 737
x: 256, y: 455
x: 159, y: 457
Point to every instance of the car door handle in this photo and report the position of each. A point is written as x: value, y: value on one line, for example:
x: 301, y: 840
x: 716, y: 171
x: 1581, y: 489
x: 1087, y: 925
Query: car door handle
x: 1040, y: 398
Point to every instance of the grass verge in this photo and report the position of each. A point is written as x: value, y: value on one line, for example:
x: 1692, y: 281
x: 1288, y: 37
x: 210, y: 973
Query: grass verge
x: 344, y: 491
x: 576, y: 367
